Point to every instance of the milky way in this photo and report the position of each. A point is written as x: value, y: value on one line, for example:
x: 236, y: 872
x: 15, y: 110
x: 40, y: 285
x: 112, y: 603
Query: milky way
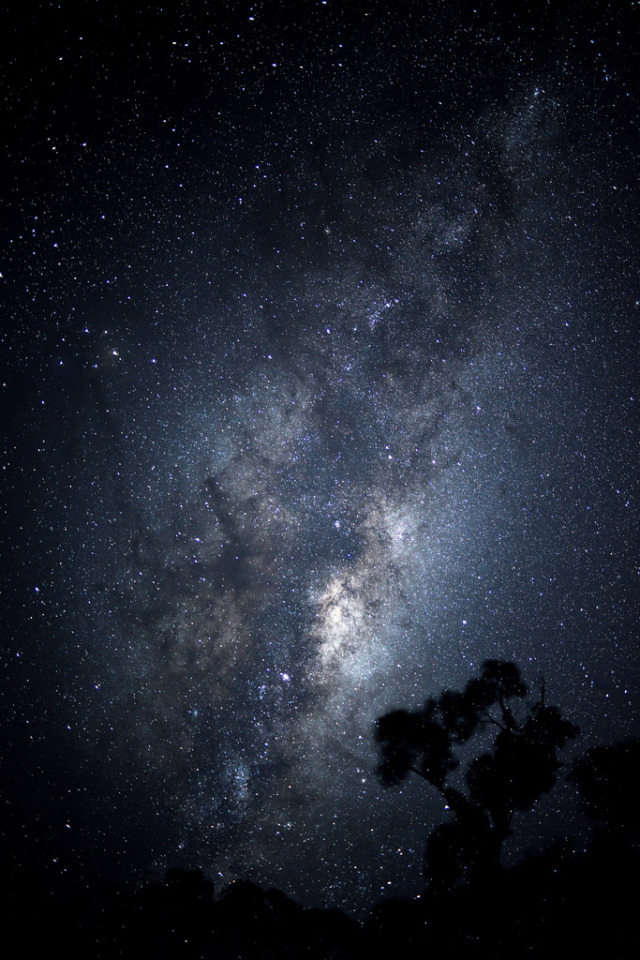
x: 310, y: 419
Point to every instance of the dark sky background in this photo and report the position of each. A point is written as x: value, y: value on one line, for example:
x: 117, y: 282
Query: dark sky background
x: 319, y: 365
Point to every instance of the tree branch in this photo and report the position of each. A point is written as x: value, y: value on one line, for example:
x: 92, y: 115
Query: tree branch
x: 490, y: 719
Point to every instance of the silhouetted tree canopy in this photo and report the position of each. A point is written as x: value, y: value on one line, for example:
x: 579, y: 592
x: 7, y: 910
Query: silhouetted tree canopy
x: 521, y: 764
x: 608, y: 777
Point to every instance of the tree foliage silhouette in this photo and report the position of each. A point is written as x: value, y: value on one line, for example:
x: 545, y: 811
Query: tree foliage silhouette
x: 520, y: 765
x: 607, y: 777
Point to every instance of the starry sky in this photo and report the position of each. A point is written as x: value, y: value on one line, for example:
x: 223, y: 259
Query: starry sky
x: 319, y: 359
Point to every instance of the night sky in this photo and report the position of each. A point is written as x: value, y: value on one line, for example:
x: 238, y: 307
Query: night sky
x: 319, y: 381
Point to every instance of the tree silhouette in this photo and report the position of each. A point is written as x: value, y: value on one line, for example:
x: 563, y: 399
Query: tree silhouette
x: 520, y: 765
x: 607, y: 777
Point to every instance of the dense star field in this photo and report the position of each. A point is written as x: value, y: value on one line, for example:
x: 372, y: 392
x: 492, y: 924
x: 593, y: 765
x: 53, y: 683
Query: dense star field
x: 319, y: 376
